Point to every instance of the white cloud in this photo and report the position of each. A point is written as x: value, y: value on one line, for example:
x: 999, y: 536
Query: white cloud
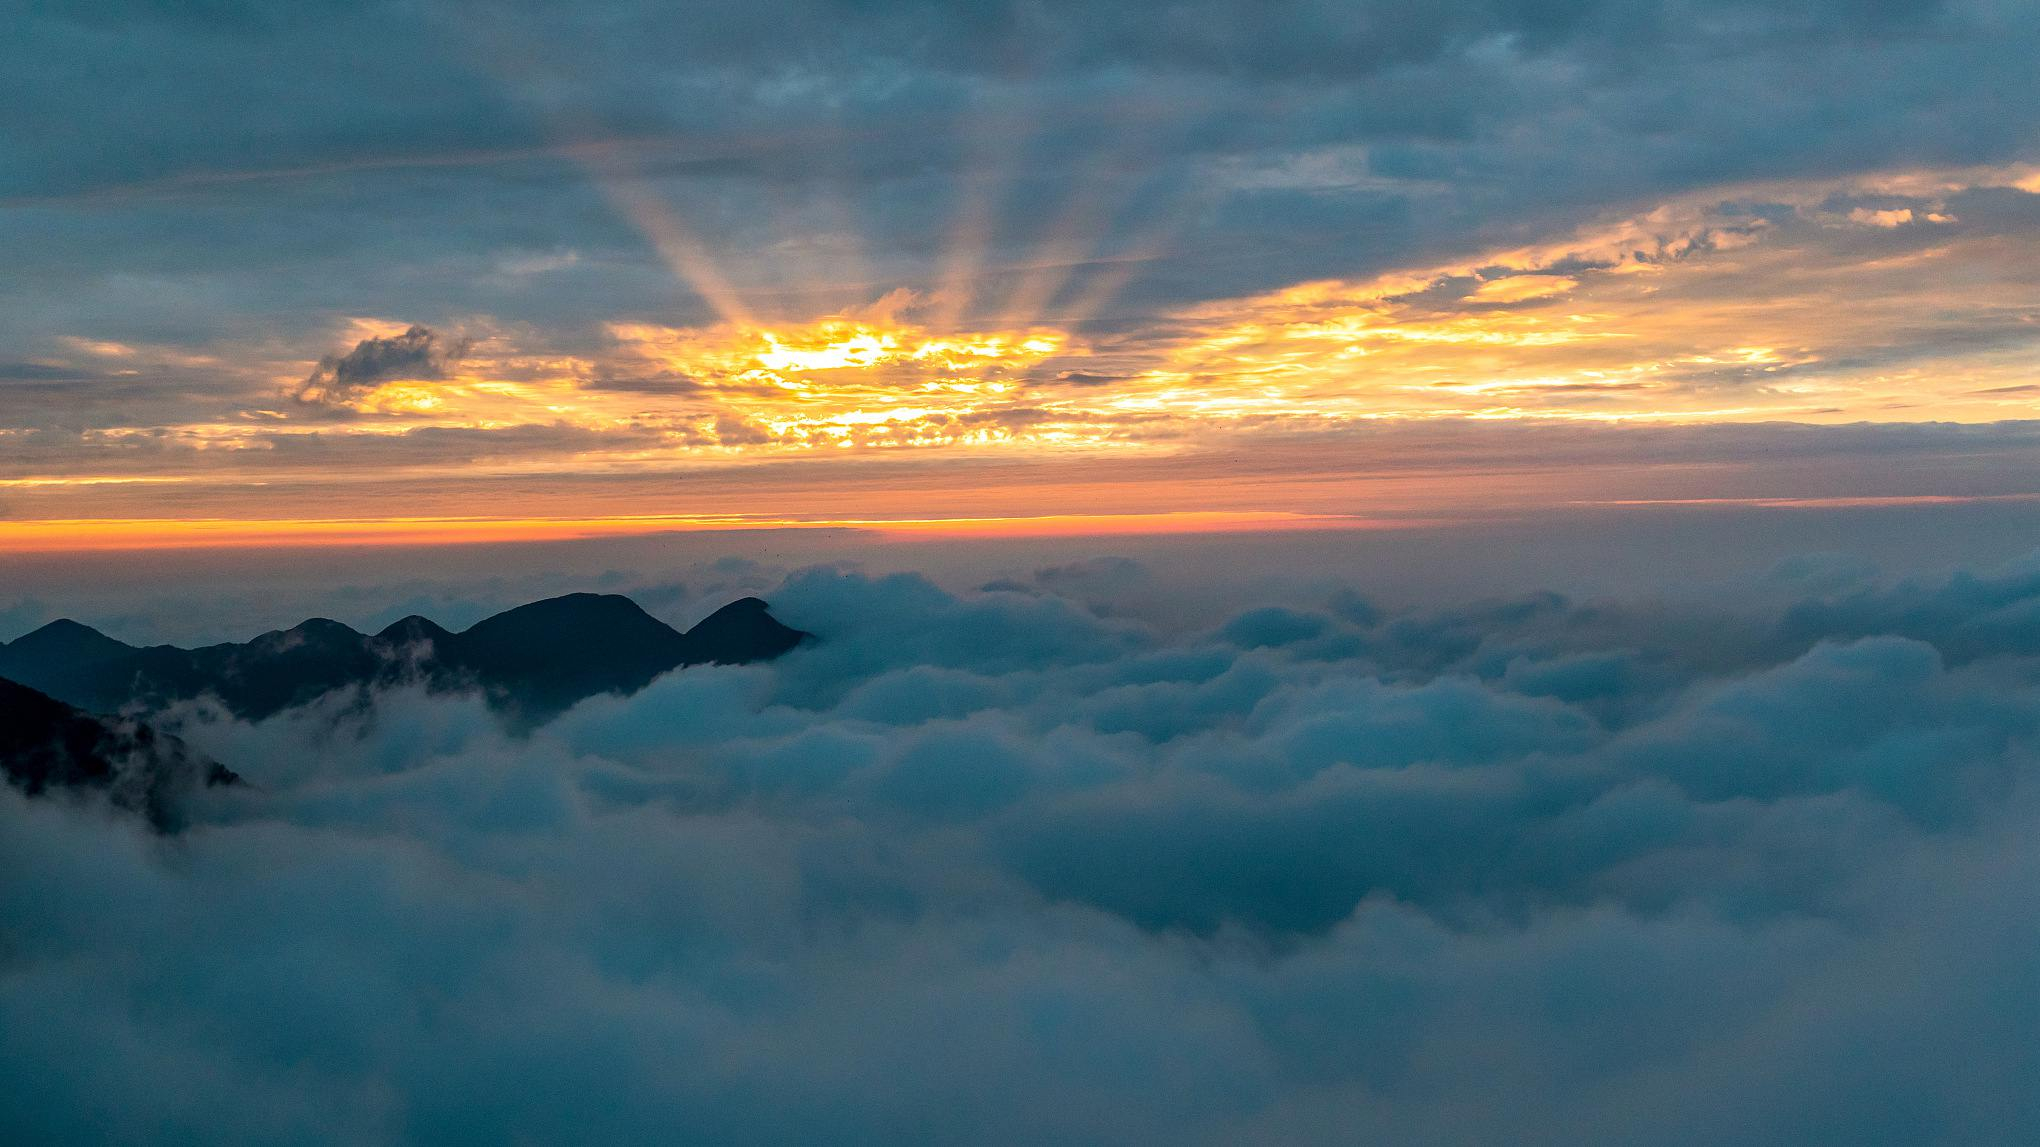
x: 988, y: 867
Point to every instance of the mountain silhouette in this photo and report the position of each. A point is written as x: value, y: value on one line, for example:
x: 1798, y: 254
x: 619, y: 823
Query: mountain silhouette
x: 66, y: 640
x: 531, y: 662
x: 551, y: 653
x: 46, y: 744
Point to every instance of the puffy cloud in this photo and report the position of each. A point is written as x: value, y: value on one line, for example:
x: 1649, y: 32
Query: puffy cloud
x: 417, y: 355
x: 992, y: 867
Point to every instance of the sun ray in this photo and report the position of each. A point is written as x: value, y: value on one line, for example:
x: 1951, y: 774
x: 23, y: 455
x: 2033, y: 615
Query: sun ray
x: 1122, y: 162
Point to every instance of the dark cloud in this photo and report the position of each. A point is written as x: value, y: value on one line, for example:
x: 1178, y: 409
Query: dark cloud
x: 294, y: 165
x: 416, y: 355
x: 32, y: 372
x: 1085, y: 378
x: 732, y: 431
x: 990, y: 867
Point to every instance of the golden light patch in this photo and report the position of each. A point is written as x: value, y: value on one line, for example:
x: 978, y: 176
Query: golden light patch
x: 114, y: 534
x: 1522, y: 288
x: 846, y: 380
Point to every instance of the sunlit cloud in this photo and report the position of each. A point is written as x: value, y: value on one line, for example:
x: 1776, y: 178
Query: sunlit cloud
x: 1898, y: 297
x: 99, y: 348
x: 865, y: 378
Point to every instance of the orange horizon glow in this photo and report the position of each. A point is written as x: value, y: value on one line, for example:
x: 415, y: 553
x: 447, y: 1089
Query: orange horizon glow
x: 109, y: 534
x: 101, y: 535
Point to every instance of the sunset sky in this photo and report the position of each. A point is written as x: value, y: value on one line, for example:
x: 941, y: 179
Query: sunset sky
x: 997, y: 572
x: 452, y: 272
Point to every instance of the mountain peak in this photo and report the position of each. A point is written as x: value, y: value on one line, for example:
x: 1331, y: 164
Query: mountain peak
x: 323, y: 629
x: 742, y: 631
x: 69, y: 639
x: 744, y: 605
x: 311, y: 633
x: 566, y: 616
x: 411, y: 630
x: 547, y: 655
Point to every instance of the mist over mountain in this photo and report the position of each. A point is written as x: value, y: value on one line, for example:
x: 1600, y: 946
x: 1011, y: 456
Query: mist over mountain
x: 532, y: 662
x: 47, y: 746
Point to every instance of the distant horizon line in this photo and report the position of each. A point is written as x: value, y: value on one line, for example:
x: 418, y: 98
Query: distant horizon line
x: 101, y: 535
x: 70, y: 535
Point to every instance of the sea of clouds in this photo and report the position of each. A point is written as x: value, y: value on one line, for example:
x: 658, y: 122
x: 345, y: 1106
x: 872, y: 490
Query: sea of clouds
x: 1013, y: 866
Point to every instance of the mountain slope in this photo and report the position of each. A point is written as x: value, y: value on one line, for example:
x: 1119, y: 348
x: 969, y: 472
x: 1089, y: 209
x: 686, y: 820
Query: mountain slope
x: 739, y: 633
x: 532, y: 661
x: 46, y: 744
x: 66, y: 659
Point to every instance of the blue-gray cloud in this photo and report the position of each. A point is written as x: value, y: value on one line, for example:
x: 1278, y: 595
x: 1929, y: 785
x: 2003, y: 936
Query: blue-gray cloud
x: 418, y: 354
x: 284, y: 168
x: 999, y: 866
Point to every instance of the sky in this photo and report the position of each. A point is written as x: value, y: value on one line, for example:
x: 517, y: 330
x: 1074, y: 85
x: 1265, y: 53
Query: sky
x: 427, y: 272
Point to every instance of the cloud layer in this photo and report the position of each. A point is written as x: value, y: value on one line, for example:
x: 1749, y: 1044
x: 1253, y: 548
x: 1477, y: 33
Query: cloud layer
x: 1006, y: 866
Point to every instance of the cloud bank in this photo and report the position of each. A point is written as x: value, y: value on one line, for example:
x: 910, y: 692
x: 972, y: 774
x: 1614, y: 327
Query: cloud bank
x: 1007, y: 867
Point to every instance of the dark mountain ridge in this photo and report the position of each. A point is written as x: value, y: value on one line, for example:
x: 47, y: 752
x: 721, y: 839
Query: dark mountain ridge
x: 532, y: 661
